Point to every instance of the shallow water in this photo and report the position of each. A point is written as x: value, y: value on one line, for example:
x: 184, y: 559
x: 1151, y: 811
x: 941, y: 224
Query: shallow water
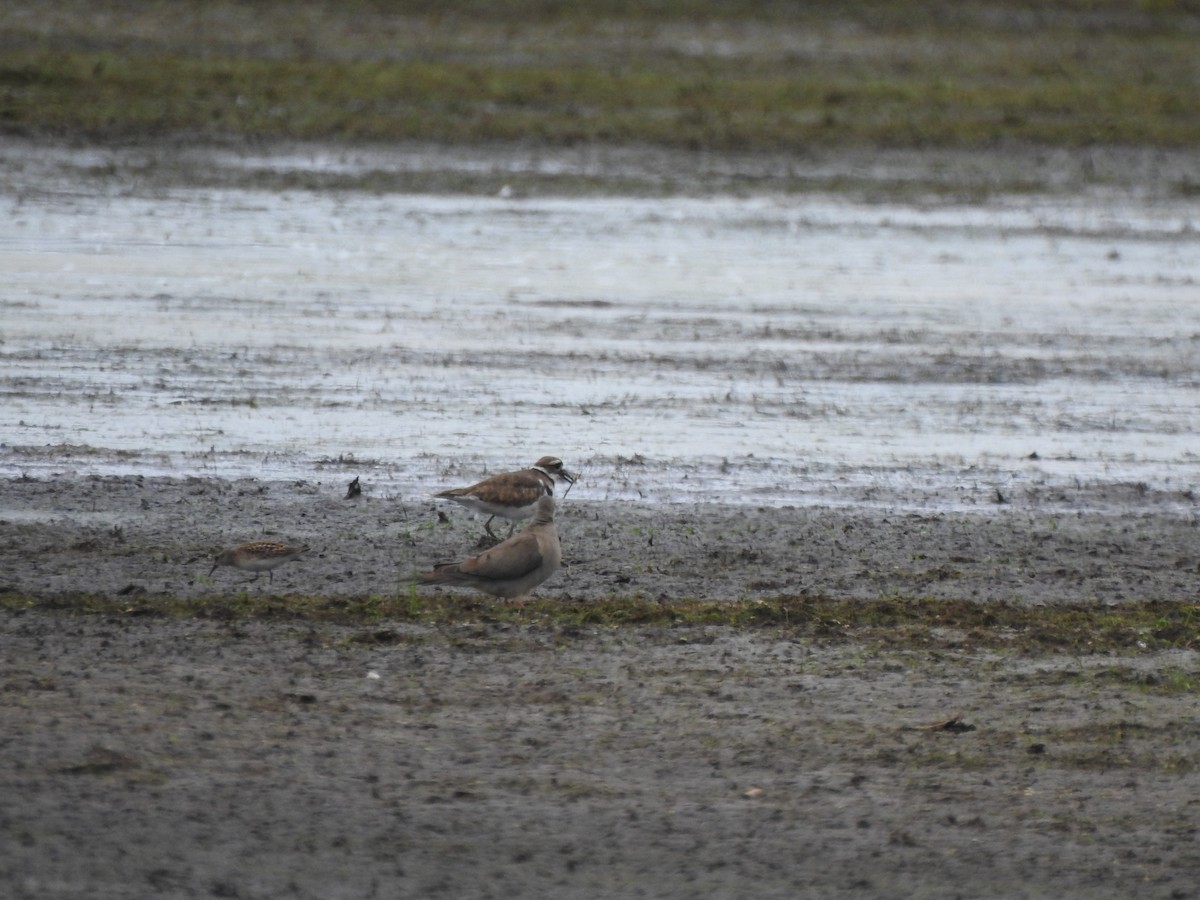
x: 772, y: 350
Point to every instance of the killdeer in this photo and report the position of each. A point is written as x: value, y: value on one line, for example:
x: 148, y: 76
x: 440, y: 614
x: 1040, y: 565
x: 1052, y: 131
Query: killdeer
x: 512, y: 568
x: 259, y: 556
x: 511, y: 495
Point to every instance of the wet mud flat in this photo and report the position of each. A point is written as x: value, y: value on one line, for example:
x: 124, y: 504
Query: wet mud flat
x: 805, y: 339
x: 171, y: 758
x: 148, y: 538
x: 163, y: 755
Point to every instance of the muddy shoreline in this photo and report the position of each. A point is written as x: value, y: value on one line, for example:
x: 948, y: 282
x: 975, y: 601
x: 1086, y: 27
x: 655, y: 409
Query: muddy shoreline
x: 32, y: 167
x: 151, y: 756
x: 157, y: 536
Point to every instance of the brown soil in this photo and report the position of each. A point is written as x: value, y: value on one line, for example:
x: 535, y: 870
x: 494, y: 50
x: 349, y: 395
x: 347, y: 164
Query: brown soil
x: 168, y: 756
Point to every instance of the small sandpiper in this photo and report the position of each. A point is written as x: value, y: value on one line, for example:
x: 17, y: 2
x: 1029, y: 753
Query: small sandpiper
x: 511, y: 495
x: 259, y: 556
x: 512, y: 568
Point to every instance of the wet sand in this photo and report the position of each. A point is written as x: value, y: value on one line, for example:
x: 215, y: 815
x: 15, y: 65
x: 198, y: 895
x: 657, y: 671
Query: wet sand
x: 149, y: 756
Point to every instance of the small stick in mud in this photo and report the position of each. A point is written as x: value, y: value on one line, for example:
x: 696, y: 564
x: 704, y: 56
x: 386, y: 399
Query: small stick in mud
x: 571, y: 483
x: 955, y: 724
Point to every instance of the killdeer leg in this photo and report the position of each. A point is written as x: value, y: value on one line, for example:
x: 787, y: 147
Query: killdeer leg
x: 487, y: 526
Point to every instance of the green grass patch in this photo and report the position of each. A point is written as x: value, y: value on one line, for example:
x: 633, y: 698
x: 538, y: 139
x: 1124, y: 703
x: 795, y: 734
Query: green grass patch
x: 1166, y: 681
x: 696, y: 74
x: 889, y: 622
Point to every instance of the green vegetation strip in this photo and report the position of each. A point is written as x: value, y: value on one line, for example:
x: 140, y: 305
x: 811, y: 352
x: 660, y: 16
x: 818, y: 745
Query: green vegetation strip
x: 702, y: 75
x: 897, y: 622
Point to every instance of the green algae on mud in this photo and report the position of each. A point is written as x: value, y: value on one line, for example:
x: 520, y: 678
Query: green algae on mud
x: 895, y: 623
